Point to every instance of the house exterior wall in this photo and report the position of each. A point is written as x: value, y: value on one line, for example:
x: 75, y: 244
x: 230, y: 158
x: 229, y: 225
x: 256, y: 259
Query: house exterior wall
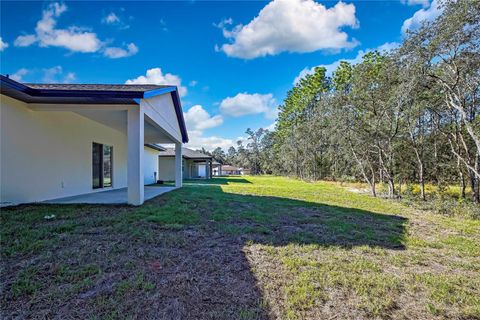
x: 216, y: 171
x: 166, y: 168
x: 202, y: 170
x: 48, y: 154
x: 162, y: 110
x: 189, y: 169
x: 150, y: 165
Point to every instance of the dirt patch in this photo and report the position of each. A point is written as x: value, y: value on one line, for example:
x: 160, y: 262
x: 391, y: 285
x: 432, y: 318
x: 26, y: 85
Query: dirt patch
x: 136, y: 270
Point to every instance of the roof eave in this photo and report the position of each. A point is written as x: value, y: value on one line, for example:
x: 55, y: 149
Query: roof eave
x: 101, y: 95
x: 173, y: 90
x: 179, y: 112
x: 155, y: 147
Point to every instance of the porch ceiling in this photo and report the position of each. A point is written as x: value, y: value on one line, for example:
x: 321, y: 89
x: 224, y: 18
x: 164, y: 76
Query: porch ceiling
x: 117, y: 120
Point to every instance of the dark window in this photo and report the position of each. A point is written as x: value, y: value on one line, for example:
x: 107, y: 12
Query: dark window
x: 97, y: 165
x: 102, y: 165
x: 107, y: 166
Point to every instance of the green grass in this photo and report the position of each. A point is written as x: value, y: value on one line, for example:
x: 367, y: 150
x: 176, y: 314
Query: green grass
x: 139, y: 282
x: 242, y: 248
x: 26, y: 283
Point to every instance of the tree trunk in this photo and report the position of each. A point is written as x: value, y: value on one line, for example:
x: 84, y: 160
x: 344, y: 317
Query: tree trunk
x: 476, y: 191
x: 400, y: 188
x: 475, y: 188
x: 391, y: 188
x: 422, y: 182
x: 463, y: 185
x: 421, y: 178
x: 372, y: 184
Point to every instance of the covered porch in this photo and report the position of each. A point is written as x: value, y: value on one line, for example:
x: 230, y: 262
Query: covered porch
x: 196, y: 164
x: 198, y: 168
x: 116, y: 196
x: 88, y: 141
x: 150, y: 122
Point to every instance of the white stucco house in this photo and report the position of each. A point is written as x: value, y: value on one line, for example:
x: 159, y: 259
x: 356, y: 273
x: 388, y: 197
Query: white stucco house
x: 196, y: 165
x: 63, y: 140
x: 227, y: 170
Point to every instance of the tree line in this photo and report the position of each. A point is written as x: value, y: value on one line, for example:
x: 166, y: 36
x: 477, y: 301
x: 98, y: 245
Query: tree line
x: 405, y: 116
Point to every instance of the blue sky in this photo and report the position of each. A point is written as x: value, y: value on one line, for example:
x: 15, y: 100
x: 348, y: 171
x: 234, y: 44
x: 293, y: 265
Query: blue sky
x: 233, y: 61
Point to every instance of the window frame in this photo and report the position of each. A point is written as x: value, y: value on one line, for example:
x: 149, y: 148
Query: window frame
x: 102, y: 166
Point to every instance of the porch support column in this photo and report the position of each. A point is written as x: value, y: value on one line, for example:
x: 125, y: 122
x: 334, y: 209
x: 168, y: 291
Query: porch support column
x: 211, y: 169
x: 208, y: 165
x: 206, y: 169
x: 178, y: 165
x: 135, y: 133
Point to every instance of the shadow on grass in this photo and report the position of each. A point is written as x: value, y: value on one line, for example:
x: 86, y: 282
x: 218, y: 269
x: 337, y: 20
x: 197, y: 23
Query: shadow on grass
x: 218, y: 180
x: 217, y: 226
x: 180, y: 256
x: 278, y: 221
x: 212, y: 181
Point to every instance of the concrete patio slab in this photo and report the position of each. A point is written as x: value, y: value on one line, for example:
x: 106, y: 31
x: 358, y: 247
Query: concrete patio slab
x: 117, y: 196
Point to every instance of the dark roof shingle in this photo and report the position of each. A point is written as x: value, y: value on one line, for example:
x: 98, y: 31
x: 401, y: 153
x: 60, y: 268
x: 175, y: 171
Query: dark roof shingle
x: 96, y: 87
x: 187, y: 153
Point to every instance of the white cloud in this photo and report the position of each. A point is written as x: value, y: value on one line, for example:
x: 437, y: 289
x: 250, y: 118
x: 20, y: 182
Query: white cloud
x: 271, y: 127
x: 222, y: 24
x: 25, y: 41
x: 115, y: 52
x: 426, y: 14
x: 155, y: 76
x: 193, y: 83
x: 423, y: 3
x: 197, y: 141
x: 18, y: 76
x: 111, y: 18
x: 293, y: 26
x: 114, y: 19
x: 3, y: 45
x: 386, y: 47
x: 69, y: 77
x: 329, y: 67
x: 56, y: 75
x: 73, y: 38
x: 197, y: 118
x: 244, y: 104
x: 163, y: 25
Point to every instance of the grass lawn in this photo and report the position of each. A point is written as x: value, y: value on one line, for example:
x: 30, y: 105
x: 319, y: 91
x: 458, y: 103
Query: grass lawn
x: 240, y: 248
